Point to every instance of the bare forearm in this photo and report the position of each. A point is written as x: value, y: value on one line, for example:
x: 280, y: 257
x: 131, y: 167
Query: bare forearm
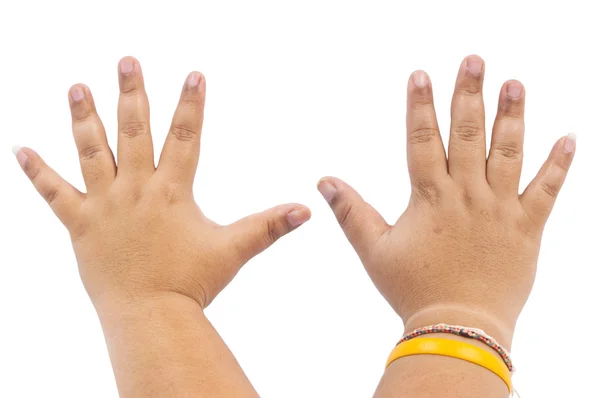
x: 166, y: 346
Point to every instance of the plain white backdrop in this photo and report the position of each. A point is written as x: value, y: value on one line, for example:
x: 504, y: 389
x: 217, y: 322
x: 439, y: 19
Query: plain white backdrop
x: 296, y: 91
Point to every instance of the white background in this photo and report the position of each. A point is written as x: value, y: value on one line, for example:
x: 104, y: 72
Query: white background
x: 296, y: 90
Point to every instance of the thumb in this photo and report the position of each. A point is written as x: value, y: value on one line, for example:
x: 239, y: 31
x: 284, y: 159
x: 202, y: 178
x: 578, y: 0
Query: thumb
x: 253, y: 234
x: 362, y: 224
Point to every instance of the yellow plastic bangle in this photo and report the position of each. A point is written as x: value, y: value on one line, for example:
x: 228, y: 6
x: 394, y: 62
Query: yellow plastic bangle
x: 455, y: 349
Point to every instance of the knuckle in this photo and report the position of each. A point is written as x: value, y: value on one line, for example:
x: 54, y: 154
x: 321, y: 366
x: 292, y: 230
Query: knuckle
x: 528, y: 226
x: 130, y: 89
x: 469, y: 89
x: 491, y: 214
x: 239, y: 248
x: 510, y: 111
x: 273, y: 231
x: 33, y: 171
x: 551, y: 189
x: 51, y: 194
x: 90, y: 152
x: 423, y: 135
x: 563, y: 165
x: 136, y: 195
x: 183, y: 132
x: 78, y: 229
x: 347, y: 215
x: 468, y: 131
x: 81, y: 112
x: 190, y: 100
x: 467, y: 199
x: 76, y: 233
x: 427, y: 191
x: 172, y: 193
x: 509, y: 150
x: 421, y: 102
x: 134, y: 129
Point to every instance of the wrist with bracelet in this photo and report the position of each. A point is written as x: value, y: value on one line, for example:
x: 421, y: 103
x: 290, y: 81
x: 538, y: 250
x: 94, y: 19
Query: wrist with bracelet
x: 414, y: 343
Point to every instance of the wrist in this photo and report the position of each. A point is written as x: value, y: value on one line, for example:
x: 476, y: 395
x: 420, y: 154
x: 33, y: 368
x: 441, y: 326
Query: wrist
x: 123, y: 307
x: 462, y: 316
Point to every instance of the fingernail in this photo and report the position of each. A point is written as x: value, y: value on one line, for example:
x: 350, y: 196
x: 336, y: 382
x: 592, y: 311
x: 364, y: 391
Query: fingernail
x: 420, y: 79
x: 126, y: 65
x: 474, y: 65
x: 327, y: 189
x: 569, y: 145
x: 20, y: 155
x: 193, y: 80
x: 297, y: 217
x: 513, y: 90
x: 77, y: 94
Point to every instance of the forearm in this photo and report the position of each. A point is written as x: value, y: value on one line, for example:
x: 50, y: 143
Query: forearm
x: 433, y: 375
x: 165, y: 346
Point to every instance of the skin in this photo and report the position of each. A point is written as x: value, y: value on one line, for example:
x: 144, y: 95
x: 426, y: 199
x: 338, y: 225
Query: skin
x: 148, y: 257
x: 465, y: 250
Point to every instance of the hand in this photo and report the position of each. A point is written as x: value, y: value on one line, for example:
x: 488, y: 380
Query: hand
x: 137, y: 231
x: 465, y: 250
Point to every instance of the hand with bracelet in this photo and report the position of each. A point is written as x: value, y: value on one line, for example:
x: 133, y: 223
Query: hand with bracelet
x: 149, y: 259
x: 465, y: 250
x: 463, y: 253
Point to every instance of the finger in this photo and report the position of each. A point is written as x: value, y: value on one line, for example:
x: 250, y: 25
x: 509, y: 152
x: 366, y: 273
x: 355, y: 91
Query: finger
x: 425, y: 150
x: 506, y: 153
x: 179, y: 157
x: 62, y: 197
x: 361, y: 223
x: 96, y: 159
x: 466, y: 149
x: 253, y: 234
x: 539, y: 197
x: 134, y: 153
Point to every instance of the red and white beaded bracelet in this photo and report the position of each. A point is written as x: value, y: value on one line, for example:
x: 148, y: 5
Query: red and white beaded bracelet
x: 472, y: 333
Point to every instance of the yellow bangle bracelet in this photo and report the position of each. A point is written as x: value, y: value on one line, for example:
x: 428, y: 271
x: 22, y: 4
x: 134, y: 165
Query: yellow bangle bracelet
x: 454, y: 349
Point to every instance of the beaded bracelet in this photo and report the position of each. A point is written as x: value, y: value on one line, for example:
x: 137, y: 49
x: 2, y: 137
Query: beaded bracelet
x: 472, y: 333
